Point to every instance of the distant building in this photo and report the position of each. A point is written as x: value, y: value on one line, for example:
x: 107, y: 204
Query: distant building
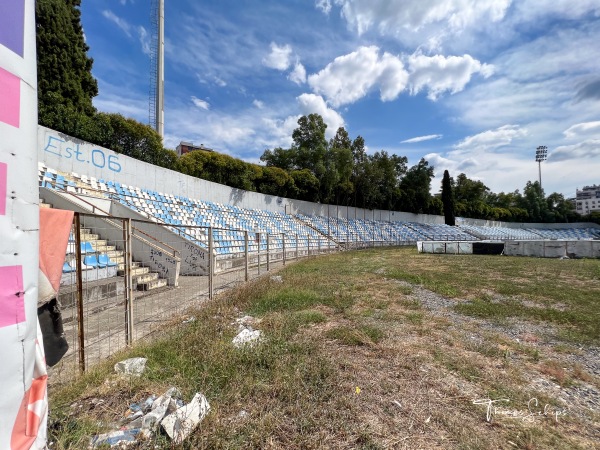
x: 186, y: 147
x: 587, y: 200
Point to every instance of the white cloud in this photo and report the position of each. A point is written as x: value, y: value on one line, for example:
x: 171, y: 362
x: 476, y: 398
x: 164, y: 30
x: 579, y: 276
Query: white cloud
x: 311, y: 103
x: 323, y: 5
x: 428, y: 137
x: 279, y: 58
x: 144, y: 40
x: 129, y: 30
x: 393, y: 78
x: 583, y: 129
x: 350, y: 77
x: 202, y: 104
x: 258, y: 104
x: 587, y: 149
x: 439, y: 74
x: 416, y: 21
x: 298, y: 75
x: 220, y: 82
x: 490, y: 140
x: 121, y: 23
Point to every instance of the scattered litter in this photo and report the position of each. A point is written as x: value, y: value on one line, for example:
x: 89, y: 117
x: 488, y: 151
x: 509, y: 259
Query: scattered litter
x: 277, y: 279
x: 132, y: 366
x: 246, y: 337
x: 143, y: 419
x: 115, y: 438
x: 163, y: 405
x: 397, y: 403
x: 564, y: 257
x: 182, y: 422
x: 243, y: 414
x: 189, y: 320
x: 357, y: 390
x: 428, y: 419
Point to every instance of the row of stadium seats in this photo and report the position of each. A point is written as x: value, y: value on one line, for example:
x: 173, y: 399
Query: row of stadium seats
x: 191, y: 218
x: 504, y: 233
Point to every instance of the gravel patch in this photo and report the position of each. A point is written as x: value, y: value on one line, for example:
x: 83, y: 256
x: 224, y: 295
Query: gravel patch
x: 579, y: 399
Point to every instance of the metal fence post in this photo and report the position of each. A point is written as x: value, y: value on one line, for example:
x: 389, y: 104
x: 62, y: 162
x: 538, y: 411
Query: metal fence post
x: 211, y: 260
x: 259, y: 239
x: 80, y: 322
x: 296, y: 245
x: 246, y: 255
x: 128, y: 282
x: 268, y: 252
x: 283, y: 246
x: 308, y: 245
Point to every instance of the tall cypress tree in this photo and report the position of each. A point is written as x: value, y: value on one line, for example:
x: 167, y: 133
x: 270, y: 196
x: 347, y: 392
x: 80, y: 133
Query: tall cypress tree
x: 65, y: 82
x: 448, y: 199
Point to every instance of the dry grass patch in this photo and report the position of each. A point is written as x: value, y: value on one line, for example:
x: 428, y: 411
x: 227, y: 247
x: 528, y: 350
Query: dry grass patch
x: 354, y: 359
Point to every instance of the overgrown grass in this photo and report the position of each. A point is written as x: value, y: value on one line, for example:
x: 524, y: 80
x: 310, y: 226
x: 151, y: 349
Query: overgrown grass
x: 339, y: 322
x: 562, y: 292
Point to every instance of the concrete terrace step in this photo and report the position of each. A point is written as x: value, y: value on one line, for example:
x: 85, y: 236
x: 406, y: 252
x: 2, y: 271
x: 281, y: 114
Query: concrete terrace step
x: 135, y: 271
x: 155, y: 284
x: 115, y: 254
x: 121, y: 265
x: 103, y: 248
x: 145, y: 278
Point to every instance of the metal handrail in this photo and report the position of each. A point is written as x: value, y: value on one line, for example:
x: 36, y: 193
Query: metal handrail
x: 109, y: 215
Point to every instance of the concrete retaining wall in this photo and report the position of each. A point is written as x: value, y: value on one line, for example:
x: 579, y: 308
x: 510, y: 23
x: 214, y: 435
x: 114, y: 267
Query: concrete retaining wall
x: 537, y: 249
x: 553, y: 249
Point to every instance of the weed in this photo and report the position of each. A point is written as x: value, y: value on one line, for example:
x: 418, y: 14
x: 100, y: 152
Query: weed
x: 416, y: 318
x: 363, y: 335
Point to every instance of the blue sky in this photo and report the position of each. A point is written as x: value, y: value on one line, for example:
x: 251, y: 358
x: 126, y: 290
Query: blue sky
x: 472, y: 86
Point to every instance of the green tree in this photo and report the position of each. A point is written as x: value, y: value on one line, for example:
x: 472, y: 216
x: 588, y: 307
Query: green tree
x: 279, y: 157
x: 471, y: 198
x: 307, y: 185
x: 448, y: 199
x: 561, y: 208
x: 415, y: 187
x: 66, y: 86
x: 534, y: 202
x: 340, y: 149
x: 276, y: 181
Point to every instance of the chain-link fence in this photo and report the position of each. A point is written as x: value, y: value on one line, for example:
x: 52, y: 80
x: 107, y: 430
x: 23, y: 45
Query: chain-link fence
x: 123, y: 278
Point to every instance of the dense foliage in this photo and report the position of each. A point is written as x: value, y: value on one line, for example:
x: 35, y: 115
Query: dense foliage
x: 448, y: 199
x: 338, y: 171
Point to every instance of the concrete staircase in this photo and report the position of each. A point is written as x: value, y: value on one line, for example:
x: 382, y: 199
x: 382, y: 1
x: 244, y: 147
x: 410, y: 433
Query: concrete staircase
x: 142, y: 278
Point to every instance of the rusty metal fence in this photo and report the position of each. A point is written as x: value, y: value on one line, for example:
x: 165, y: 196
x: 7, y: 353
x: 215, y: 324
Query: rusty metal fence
x: 123, y: 279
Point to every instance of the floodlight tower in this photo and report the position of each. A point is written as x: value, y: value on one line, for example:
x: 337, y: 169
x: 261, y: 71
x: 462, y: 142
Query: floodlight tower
x: 156, y: 110
x: 541, y: 154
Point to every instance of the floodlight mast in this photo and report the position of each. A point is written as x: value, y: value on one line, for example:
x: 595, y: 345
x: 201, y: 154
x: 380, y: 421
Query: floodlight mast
x: 157, y: 71
x: 541, y: 154
x: 160, y: 78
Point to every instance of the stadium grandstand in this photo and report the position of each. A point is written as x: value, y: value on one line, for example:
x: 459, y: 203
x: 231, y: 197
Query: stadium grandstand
x: 157, y: 240
x: 192, y: 216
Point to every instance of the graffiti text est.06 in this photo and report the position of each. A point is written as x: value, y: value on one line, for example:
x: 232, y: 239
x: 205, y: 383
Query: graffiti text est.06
x: 95, y: 157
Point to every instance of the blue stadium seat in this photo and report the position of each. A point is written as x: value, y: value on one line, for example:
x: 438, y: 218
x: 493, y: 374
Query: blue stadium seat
x: 105, y: 261
x: 90, y: 261
x: 86, y: 247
